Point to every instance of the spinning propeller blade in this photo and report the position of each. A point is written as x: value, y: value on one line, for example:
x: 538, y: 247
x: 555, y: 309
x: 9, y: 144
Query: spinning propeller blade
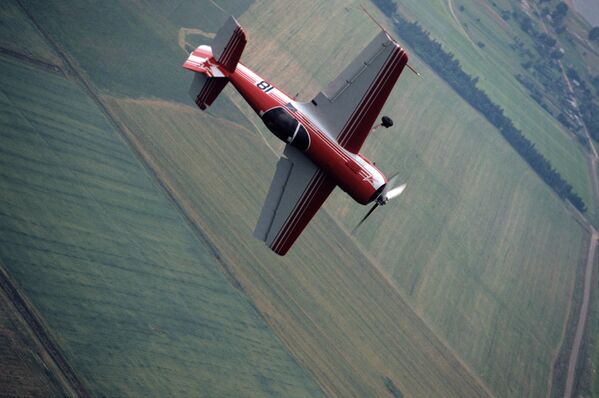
x: 389, y: 192
x: 396, y: 191
x: 365, y: 217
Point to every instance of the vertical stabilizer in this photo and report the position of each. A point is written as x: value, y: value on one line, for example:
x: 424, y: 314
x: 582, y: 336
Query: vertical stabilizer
x: 213, y: 64
x: 228, y: 44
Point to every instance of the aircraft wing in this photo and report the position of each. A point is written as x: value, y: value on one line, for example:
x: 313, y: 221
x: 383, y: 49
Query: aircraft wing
x: 350, y: 105
x: 297, y: 191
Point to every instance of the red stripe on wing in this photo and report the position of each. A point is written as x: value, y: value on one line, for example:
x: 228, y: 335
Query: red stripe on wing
x: 360, y: 123
x: 317, y: 191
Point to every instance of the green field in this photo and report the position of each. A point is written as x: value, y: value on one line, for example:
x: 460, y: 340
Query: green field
x: 17, y: 33
x: 478, y: 247
x: 479, y: 243
x: 111, y: 235
x: 337, y: 314
x: 133, y: 297
x: 496, y: 65
x: 587, y: 380
x: 22, y: 371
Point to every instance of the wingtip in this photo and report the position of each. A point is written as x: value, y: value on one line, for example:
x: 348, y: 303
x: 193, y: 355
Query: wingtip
x: 413, y: 70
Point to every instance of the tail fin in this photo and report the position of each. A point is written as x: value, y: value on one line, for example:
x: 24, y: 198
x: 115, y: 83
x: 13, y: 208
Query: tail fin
x: 214, y: 64
x: 228, y: 44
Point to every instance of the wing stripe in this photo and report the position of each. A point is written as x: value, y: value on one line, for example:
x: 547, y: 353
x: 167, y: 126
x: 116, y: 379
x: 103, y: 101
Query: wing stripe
x: 378, y: 82
x: 372, y: 99
x: 291, y: 219
x: 350, y: 121
x: 291, y: 232
x: 299, y: 211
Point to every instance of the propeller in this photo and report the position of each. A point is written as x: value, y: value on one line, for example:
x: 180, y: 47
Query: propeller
x: 389, y: 192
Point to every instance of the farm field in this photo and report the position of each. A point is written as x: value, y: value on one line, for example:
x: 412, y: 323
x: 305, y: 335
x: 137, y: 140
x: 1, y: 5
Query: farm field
x: 135, y: 299
x: 22, y: 372
x: 587, y: 382
x: 478, y: 240
x: 478, y: 247
x: 496, y: 65
x: 17, y: 33
x: 337, y: 314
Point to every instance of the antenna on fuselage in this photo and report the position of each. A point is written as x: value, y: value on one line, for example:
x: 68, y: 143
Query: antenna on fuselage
x: 388, y: 34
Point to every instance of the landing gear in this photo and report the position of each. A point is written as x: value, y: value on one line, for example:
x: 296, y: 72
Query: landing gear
x: 386, y: 122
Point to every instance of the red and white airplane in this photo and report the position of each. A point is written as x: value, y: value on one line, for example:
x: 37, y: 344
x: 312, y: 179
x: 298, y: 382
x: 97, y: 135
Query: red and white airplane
x: 323, y: 136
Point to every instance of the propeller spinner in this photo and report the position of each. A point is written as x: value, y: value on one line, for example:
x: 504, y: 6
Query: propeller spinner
x: 389, y: 192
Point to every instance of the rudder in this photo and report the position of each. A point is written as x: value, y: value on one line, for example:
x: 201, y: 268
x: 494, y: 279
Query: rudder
x: 228, y: 44
x: 213, y: 64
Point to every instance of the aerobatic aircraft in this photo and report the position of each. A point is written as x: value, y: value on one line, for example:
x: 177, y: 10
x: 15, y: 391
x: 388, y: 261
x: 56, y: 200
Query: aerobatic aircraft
x: 323, y: 137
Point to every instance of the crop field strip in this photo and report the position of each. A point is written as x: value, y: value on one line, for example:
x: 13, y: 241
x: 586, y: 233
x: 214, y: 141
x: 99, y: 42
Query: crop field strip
x: 310, y: 77
x: 96, y: 246
x: 458, y: 390
x: 496, y: 66
x: 564, y: 286
x: 419, y: 152
x: 582, y: 59
x: 25, y: 368
x: 17, y: 34
x: 337, y: 314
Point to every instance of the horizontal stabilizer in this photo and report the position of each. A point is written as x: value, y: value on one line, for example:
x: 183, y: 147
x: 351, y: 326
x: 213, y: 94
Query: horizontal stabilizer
x: 204, y: 89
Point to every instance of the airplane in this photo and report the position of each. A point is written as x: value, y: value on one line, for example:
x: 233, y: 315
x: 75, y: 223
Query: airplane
x: 323, y: 137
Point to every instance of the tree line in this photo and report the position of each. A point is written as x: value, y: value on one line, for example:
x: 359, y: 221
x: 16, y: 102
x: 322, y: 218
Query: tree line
x: 450, y: 70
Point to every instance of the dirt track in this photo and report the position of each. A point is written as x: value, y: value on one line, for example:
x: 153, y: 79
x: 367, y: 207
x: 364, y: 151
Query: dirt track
x: 457, y: 21
x: 48, y: 351
x: 582, y: 317
x: 584, y: 308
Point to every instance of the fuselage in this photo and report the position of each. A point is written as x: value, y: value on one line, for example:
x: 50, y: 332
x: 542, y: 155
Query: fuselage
x: 290, y: 122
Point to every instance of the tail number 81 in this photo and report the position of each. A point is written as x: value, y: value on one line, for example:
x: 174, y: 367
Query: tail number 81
x: 264, y: 86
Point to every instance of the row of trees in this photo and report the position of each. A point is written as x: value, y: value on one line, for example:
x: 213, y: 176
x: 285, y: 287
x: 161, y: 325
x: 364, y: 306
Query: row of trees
x: 449, y: 68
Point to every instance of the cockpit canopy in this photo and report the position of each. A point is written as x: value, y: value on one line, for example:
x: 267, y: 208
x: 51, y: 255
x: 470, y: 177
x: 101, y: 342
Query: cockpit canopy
x: 287, y: 128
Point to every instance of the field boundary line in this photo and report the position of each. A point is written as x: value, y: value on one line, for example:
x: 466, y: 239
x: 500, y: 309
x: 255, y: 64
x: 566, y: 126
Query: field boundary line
x: 593, y: 156
x: 48, y: 350
x: 181, y: 202
x: 463, y: 30
x: 73, y: 71
x: 383, y: 275
x: 48, y: 66
x: 375, y: 266
x: 582, y: 316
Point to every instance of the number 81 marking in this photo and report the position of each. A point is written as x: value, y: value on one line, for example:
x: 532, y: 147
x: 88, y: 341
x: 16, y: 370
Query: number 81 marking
x: 264, y: 86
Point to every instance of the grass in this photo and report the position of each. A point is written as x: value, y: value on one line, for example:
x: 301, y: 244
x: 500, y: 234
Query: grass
x: 135, y: 300
x: 130, y: 48
x: 18, y: 34
x: 587, y: 381
x: 496, y: 65
x: 340, y: 317
x: 479, y: 244
x: 22, y: 372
